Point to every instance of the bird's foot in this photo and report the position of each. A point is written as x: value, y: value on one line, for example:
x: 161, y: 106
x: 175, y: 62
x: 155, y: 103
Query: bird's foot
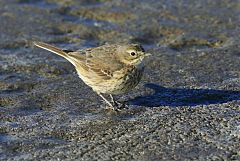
x: 113, y: 108
x: 120, y: 105
x: 116, y: 106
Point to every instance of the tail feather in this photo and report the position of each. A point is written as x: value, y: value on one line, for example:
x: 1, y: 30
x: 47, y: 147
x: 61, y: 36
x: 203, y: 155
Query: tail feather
x: 51, y: 48
x: 55, y: 50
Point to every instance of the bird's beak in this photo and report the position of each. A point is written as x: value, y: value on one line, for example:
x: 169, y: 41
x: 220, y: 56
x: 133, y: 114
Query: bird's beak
x: 147, y: 54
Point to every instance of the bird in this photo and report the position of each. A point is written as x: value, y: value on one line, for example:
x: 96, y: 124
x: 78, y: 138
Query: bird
x: 111, y: 69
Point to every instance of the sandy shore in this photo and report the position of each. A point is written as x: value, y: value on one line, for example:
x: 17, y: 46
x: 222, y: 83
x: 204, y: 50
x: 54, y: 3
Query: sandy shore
x: 186, y: 107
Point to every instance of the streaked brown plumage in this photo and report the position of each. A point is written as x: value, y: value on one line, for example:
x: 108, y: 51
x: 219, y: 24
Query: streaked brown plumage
x: 108, y: 69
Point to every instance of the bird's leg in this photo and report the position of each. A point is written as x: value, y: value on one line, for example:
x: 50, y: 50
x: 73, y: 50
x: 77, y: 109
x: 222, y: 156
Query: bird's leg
x: 112, y: 99
x: 116, y: 103
x: 106, y: 100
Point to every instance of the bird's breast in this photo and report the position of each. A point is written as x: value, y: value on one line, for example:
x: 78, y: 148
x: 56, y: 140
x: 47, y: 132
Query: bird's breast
x: 127, y: 79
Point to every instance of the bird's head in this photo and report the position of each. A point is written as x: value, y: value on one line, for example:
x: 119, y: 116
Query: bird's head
x: 132, y: 54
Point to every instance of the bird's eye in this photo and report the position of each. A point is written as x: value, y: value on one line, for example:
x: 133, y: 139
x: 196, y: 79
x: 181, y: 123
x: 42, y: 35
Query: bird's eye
x: 133, y: 53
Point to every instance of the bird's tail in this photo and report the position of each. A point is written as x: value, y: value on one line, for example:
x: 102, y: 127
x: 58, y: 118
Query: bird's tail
x: 51, y: 48
x: 55, y: 50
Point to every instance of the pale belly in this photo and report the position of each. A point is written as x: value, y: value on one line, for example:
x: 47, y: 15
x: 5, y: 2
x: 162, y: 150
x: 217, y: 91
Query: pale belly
x: 118, y: 84
x: 125, y: 84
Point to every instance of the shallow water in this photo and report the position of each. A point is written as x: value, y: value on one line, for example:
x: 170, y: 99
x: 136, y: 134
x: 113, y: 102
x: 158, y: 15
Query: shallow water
x: 186, y: 106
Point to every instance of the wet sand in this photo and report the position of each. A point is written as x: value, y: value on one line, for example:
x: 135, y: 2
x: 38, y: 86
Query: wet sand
x: 186, y: 107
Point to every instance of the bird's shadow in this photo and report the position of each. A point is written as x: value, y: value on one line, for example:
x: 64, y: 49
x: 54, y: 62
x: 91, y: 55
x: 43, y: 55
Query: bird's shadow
x: 183, y: 97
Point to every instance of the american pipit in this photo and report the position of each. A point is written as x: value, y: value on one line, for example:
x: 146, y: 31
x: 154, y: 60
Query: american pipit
x: 108, y: 69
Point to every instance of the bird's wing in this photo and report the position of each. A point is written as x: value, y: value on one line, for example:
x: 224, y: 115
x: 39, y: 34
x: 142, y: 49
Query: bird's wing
x: 98, y: 61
